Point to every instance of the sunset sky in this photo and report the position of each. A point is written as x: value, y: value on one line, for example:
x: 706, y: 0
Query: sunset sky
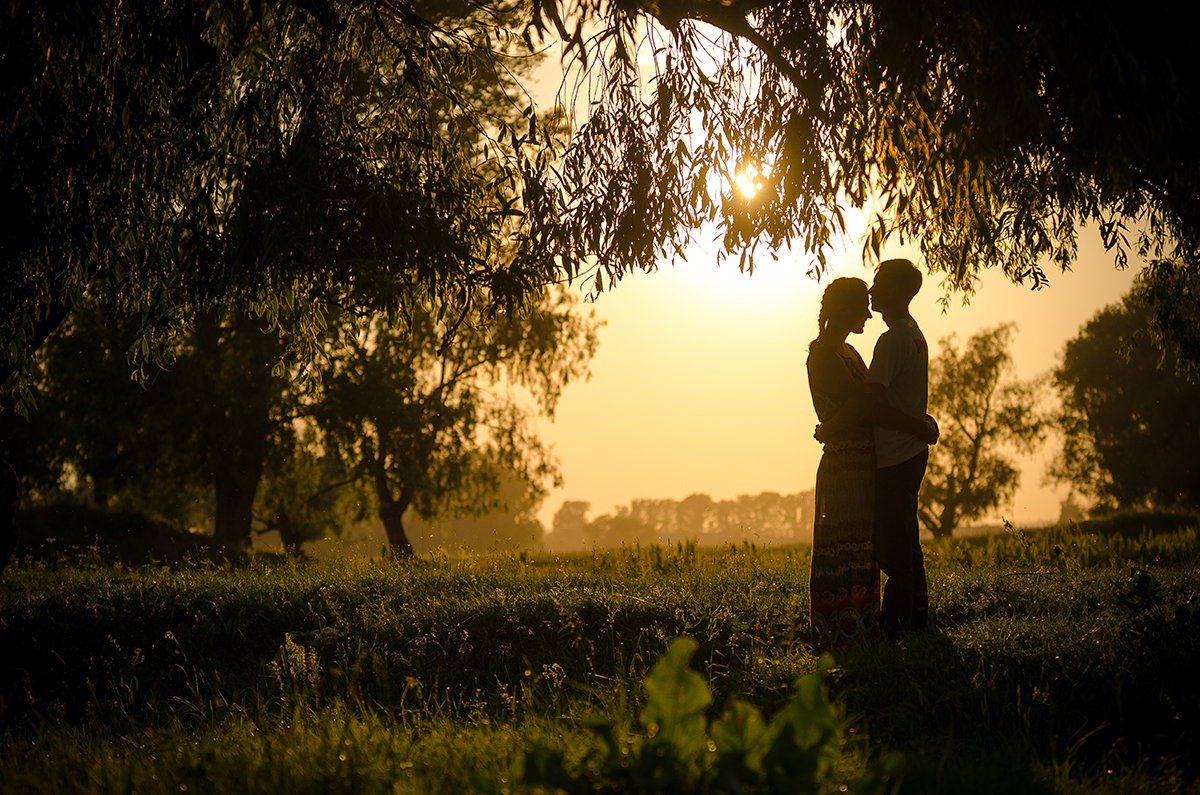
x: 699, y: 384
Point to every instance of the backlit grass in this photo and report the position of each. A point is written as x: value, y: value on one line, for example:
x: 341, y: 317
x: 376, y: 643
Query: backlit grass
x: 1062, y: 660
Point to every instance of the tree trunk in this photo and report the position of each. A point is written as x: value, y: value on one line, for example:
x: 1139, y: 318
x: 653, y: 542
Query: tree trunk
x: 237, y: 436
x: 392, y: 514
x: 244, y: 440
x: 289, y: 534
x: 947, y: 521
x: 10, y: 487
x: 101, y: 490
x: 234, y: 489
x: 391, y: 510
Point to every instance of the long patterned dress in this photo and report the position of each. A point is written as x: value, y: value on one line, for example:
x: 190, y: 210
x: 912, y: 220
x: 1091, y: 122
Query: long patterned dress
x: 844, y: 583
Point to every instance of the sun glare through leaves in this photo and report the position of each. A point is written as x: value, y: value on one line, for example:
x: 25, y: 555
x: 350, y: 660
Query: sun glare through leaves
x: 750, y: 179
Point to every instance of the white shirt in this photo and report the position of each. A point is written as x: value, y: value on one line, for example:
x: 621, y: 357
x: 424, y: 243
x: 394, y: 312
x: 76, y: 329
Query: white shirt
x: 901, y: 364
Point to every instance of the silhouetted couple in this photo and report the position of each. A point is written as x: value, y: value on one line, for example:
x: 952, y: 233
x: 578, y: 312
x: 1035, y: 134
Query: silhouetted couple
x: 876, y: 434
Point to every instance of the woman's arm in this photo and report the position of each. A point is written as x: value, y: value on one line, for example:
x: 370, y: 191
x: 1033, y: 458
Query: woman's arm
x: 869, y: 405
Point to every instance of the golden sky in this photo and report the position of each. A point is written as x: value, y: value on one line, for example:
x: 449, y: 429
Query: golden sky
x: 699, y: 385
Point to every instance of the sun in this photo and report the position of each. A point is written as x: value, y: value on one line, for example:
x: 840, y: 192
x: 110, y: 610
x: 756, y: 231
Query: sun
x: 750, y: 179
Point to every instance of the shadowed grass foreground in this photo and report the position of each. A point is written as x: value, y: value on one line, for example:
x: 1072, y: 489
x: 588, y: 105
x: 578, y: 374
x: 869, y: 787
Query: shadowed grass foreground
x: 1063, y: 660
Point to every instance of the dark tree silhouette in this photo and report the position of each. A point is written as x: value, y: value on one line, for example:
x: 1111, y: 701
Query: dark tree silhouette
x: 1129, y: 418
x: 167, y: 158
x: 984, y: 412
x: 285, y: 163
x: 186, y: 444
x: 402, y: 405
x: 423, y: 416
x: 119, y: 443
x: 985, y: 133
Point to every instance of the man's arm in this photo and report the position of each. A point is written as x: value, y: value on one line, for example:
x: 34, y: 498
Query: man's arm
x: 885, y: 415
x: 852, y: 411
x: 870, y: 405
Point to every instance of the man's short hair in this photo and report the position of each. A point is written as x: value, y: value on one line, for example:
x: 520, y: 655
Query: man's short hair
x: 905, y: 274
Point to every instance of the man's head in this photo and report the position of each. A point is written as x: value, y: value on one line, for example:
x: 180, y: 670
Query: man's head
x: 896, y: 282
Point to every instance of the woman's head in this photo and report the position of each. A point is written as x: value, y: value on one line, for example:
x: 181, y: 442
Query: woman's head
x: 844, y: 303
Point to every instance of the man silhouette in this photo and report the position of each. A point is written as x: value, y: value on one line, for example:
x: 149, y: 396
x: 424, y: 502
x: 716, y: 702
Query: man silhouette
x: 900, y: 365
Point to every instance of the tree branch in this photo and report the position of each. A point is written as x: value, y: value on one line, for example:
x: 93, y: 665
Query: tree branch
x: 731, y: 18
x: 355, y: 475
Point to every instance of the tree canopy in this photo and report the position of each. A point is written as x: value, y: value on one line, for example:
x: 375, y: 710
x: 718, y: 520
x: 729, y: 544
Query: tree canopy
x: 985, y: 413
x: 288, y: 159
x: 986, y: 133
x: 404, y: 417
x: 292, y: 156
x: 1129, y: 419
x: 435, y: 425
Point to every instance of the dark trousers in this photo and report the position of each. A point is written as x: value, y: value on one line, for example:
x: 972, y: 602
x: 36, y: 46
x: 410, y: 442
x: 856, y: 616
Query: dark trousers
x: 905, y: 606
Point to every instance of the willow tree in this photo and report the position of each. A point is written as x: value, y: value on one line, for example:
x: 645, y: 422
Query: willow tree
x: 280, y: 157
x: 984, y: 133
x: 431, y: 418
x: 288, y: 161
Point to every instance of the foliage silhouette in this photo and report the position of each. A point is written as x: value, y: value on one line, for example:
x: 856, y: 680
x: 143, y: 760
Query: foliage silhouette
x: 282, y: 159
x: 423, y: 417
x: 1128, y: 420
x: 220, y: 438
x: 283, y: 162
x: 102, y: 436
x: 983, y: 409
x: 987, y: 135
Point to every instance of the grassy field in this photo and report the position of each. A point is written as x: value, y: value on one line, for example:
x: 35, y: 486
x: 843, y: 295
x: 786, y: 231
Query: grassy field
x: 1063, y: 660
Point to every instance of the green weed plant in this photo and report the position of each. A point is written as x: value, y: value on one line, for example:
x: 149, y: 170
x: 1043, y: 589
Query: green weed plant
x: 681, y: 752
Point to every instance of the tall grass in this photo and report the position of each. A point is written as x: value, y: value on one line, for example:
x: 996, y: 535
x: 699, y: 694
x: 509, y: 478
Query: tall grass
x: 1062, y: 660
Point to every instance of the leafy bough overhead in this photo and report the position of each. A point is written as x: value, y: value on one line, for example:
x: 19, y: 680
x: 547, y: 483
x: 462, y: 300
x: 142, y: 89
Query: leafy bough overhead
x: 296, y: 161
x: 985, y: 133
x: 286, y: 158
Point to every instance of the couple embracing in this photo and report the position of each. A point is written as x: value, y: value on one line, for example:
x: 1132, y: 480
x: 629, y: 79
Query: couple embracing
x: 876, y: 434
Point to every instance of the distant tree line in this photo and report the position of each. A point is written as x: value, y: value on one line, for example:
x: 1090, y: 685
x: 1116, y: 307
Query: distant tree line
x: 766, y: 518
